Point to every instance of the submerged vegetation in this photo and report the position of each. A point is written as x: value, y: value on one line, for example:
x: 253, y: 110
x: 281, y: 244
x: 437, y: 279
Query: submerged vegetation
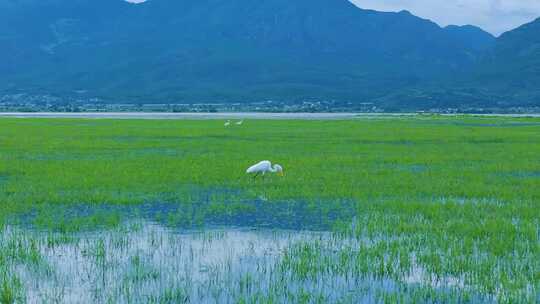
x: 417, y: 209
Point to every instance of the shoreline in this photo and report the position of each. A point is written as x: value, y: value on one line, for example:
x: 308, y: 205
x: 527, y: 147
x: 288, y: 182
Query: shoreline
x: 236, y: 115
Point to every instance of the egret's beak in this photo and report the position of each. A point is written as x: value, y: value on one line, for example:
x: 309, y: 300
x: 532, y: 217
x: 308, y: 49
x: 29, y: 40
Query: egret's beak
x: 281, y: 173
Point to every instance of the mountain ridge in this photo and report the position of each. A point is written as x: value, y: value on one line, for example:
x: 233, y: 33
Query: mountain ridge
x: 228, y: 51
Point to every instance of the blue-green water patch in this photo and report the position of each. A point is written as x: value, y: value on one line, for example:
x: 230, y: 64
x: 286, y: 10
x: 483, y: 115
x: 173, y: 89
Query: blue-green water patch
x: 257, y: 213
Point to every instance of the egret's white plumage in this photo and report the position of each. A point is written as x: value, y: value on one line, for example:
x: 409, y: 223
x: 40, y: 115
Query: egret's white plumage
x: 264, y: 167
x: 227, y: 123
x: 239, y: 123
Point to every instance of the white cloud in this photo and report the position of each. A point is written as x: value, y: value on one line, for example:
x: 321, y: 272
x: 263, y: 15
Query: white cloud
x: 495, y: 16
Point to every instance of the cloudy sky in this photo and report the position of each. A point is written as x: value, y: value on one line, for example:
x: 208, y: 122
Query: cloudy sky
x: 495, y: 16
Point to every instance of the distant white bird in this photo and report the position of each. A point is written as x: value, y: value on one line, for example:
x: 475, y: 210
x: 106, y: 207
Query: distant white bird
x: 227, y: 123
x: 264, y: 167
x: 240, y: 122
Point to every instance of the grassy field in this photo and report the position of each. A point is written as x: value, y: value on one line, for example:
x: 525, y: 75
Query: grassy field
x: 446, y: 209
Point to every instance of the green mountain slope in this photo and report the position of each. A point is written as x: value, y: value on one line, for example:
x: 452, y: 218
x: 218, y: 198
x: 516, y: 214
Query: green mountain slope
x: 512, y: 69
x: 225, y: 50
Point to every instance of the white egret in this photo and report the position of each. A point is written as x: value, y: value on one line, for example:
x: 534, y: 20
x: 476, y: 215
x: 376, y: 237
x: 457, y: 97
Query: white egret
x: 239, y: 123
x: 227, y: 123
x: 264, y: 167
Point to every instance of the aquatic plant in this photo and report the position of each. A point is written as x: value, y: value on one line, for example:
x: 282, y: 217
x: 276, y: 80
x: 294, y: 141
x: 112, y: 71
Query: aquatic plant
x: 418, y: 209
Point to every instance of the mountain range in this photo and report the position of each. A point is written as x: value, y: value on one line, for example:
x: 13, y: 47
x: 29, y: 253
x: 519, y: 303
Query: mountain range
x: 224, y: 51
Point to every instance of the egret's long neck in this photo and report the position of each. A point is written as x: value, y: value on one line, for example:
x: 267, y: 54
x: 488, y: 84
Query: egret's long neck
x: 273, y: 169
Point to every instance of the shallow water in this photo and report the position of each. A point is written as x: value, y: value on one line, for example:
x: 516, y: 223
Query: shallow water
x: 142, y: 261
x: 240, y: 115
x: 256, y: 213
x: 164, y: 115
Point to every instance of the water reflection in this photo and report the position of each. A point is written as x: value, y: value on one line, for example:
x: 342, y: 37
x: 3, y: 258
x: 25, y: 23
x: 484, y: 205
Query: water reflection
x: 142, y: 261
x: 206, y: 213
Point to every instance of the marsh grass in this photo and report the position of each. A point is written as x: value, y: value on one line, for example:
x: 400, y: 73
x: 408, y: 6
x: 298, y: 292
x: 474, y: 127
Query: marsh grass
x: 141, y: 262
x: 423, y: 209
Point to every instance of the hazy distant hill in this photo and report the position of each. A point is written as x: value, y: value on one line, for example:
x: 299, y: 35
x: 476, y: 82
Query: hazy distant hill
x: 232, y: 50
x: 512, y: 69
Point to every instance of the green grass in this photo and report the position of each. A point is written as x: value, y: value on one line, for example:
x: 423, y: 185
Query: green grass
x: 96, y: 161
x: 457, y: 196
